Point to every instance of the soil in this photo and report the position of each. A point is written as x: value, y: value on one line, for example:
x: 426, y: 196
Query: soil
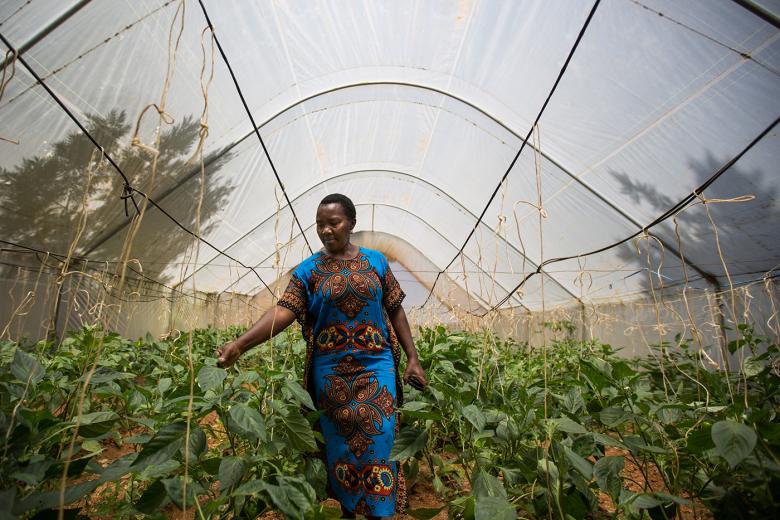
x: 634, y: 480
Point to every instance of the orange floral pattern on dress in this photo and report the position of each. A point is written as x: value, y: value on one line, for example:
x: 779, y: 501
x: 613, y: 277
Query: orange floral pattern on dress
x: 356, y: 404
x: 375, y: 479
x: 393, y: 294
x: 365, y: 336
x: 348, y: 284
x: 294, y: 298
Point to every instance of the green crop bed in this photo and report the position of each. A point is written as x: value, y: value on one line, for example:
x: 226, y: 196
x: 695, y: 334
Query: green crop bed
x: 501, y: 432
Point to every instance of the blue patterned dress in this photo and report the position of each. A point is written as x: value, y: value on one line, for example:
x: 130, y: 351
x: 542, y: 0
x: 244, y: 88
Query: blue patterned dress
x: 352, y: 372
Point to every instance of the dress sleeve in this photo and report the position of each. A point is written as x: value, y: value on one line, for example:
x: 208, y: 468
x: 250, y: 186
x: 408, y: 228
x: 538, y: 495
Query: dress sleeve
x: 295, y: 298
x: 393, y: 294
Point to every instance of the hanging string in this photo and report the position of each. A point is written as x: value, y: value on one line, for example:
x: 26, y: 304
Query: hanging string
x: 128, y: 191
x: 98, y: 45
x: 669, y: 213
x: 252, y: 121
x: 522, y: 145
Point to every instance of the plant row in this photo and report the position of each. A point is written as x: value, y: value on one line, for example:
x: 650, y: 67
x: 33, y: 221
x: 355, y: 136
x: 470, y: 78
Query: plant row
x: 505, y: 431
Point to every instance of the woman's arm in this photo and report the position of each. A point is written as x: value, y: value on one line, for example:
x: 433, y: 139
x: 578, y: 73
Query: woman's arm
x: 274, y: 321
x: 404, y: 334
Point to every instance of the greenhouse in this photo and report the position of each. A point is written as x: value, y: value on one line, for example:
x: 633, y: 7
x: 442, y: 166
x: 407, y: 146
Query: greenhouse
x: 565, y: 224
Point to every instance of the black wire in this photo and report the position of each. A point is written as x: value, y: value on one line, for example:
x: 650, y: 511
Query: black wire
x: 522, y: 146
x: 128, y: 189
x: 212, y: 246
x: 678, y: 283
x: 68, y: 112
x: 86, y: 261
x: 766, y: 276
x: 693, y: 195
x: 759, y: 11
x: 743, y: 54
x: 252, y: 121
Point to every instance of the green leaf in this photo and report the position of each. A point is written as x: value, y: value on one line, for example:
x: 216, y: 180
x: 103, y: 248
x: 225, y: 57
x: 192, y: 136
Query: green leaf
x: 579, y: 463
x: 438, y: 485
x: 91, y: 445
x: 96, y: 417
x: 162, y: 469
x: 118, y: 468
x: 163, y: 385
x: 645, y: 501
x: 95, y: 424
x: 210, y: 378
x: 49, y: 499
x: 493, y: 508
x: 152, y: 498
x: 299, y: 432
x: 408, y: 443
x: 289, y: 500
x: 546, y: 468
x: 700, y: 440
x: 621, y: 370
x: 211, y: 465
x: 249, y: 421
x: 612, y: 416
x: 474, y: 416
x: 26, y: 368
x: 512, y: 476
x: 673, y: 498
x: 105, y: 375
x: 301, y: 395
x: 7, y: 499
x: 486, y: 485
x: 752, y: 366
x: 197, y: 444
x: 144, y: 421
x: 606, y: 440
x: 165, y: 443
x: 594, y: 375
x: 414, y: 406
x: 231, y: 471
x: 565, y: 424
x: 175, y: 488
x: 317, y: 476
x: 137, y: 439
x: 424, y: 513
x: 733, y: 441
x: 607, y: 472
x: 463, y: 507
x: 249, y: 488
x: 424, y: 415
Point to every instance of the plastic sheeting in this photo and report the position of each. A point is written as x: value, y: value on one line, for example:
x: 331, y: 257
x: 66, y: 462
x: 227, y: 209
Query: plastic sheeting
x: 415, y: 110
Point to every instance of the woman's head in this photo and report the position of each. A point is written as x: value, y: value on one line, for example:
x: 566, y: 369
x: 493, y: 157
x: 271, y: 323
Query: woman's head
x: 336, y: 218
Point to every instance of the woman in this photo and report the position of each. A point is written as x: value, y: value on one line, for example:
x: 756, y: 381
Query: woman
x: 349, y: 305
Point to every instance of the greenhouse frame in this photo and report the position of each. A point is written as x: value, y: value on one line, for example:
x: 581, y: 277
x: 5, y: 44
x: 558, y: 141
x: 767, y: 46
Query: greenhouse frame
x: 534, y: 171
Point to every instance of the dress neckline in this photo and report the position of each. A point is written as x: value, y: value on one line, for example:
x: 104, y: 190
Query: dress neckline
x: 328, y: 255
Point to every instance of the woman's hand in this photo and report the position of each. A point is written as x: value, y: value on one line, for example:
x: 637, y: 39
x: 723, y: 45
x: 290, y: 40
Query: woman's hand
x: 414, y: 368
x: 227, y: 354
x: 272, y: 322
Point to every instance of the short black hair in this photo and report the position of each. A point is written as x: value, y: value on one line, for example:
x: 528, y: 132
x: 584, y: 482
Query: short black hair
x: 346, y: 204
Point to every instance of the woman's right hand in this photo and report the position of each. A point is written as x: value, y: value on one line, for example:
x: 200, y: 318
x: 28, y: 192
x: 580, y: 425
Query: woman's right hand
x: 228, y: 354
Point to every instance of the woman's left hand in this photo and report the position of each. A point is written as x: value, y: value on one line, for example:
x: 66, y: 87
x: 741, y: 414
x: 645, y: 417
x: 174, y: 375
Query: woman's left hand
x: 413, y: 368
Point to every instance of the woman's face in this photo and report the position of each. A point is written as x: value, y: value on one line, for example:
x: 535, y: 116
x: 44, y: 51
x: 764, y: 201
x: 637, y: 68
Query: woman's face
x: 333, y: 227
